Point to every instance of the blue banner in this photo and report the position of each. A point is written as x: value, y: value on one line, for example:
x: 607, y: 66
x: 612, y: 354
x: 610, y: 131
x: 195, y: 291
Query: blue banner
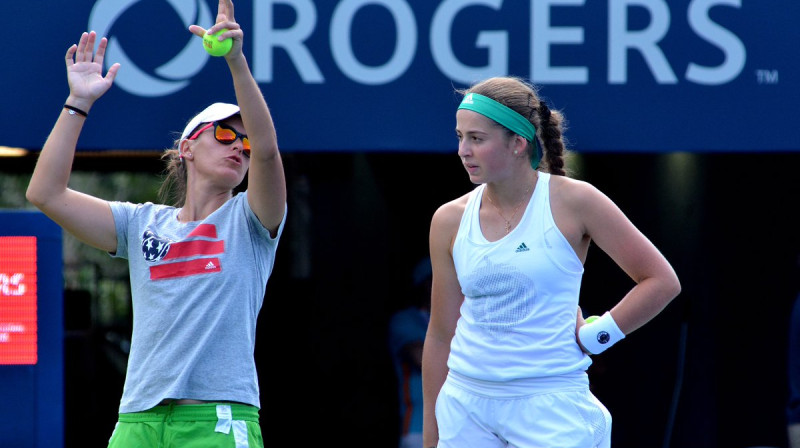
x: 380, y: 75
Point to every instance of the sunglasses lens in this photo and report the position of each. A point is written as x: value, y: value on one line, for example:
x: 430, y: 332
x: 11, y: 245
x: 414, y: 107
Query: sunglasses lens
x: 226, y: 136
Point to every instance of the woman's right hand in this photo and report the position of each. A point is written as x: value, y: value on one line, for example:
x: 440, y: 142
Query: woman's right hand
x: 579, y: 322
x: 85, y: 71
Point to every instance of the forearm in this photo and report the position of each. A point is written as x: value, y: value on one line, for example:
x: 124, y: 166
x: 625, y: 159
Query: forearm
x: 644, y: 301
x: 255, y: 113
x: 434, y: 374
x: 266, y: 183
x: 51, y: 174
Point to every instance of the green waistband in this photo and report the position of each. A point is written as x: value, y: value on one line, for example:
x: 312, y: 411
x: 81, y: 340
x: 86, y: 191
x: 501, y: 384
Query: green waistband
x: 190, y: 413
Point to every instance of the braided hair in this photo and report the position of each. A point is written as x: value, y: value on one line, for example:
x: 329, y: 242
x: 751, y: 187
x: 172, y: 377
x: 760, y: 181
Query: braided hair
x: 550, y: 125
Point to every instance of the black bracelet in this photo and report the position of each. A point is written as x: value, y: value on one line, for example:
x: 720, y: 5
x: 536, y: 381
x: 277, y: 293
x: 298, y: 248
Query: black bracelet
x: 74, y: 110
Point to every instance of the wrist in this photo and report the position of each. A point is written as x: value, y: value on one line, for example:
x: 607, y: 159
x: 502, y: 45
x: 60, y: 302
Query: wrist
x: 238, y: 64
x: 72, y: 110
x: 600, y: 334
x: 80, y: 103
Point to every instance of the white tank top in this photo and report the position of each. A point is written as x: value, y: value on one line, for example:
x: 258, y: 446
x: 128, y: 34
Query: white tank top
x: 520, y: 296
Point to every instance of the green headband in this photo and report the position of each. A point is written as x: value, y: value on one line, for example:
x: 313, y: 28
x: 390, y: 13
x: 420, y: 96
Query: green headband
x: 506, y: 117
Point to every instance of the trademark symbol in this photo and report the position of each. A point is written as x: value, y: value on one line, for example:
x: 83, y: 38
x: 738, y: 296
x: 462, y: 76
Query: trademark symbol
x: 767, y: 76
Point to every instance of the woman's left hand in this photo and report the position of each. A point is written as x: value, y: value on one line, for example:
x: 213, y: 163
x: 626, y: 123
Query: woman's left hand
x: 225, y: 20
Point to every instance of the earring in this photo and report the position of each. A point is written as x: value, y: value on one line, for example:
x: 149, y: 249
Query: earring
x: 516, y: 152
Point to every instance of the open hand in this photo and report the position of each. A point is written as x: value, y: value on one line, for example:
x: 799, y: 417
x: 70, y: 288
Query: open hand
x: 85, y: 70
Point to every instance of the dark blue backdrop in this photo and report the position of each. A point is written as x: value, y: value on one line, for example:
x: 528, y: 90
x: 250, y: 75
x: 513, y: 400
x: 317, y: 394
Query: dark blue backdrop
x: 33, y: 414
x: 363, y: 75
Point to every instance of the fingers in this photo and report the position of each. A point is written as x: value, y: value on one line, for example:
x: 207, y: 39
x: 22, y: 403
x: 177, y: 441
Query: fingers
x: 225, y: 11
x: 112, y: 73
x: 235, y: 34
x: 579, y: 321
x: 71, y: 54
x: 83, y: 51
x: 225, y: 18
x: 198, y: 31
x: 101, y: 51
x: 229, y: 4
x: 234, y: 30
x: 80, y: 54
x: 228, y: 25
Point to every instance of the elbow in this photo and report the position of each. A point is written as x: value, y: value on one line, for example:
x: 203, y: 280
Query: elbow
x: 34, y: 198
x: 40, y: 198
x: 677, y: 289
x: 673, y: 287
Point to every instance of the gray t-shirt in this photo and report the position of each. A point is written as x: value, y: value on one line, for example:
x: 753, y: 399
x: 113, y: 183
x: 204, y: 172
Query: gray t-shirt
x: 197, y: 289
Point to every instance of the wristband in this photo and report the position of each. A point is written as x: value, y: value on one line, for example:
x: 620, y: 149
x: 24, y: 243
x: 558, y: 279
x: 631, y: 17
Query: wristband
x: 74, y: 110
x: 600, y: 334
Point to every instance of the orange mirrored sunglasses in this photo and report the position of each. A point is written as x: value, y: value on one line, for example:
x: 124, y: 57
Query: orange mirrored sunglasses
x: 225, y: 135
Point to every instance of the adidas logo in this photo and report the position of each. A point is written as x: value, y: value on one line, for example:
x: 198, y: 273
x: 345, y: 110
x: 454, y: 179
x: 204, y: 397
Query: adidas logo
x: 522, y: 248
x: 211, y: 265
x: 467, y: 99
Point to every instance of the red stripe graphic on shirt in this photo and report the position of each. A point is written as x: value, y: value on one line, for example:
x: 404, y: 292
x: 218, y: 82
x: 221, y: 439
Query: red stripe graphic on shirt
x: 206, y: 230
x: 191, y: 248
x: 178, y: 252
x: 185, y: 268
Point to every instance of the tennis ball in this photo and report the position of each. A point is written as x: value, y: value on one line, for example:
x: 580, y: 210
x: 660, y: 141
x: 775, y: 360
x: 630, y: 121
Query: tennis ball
x: 214, y: 47
x: 591, y: 319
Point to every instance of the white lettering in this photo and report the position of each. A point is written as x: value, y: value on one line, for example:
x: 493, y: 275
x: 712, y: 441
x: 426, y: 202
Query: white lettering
x: 405, y: 47
x: 11, y: 285
x: 620, y: 39
x: 495, y: 42
x: 266, y: 38
x: 544, y: 35
x: 12, y: 328
x: 545, y: 39
x: 734, y: 49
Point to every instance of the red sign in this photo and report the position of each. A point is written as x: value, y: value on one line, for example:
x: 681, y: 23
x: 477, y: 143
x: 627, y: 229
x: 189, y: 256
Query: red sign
x: 18, y: 327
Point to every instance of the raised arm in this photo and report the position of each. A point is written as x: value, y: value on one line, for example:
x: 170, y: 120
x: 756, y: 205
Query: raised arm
x: 86, y: 217
x: 266, y: 182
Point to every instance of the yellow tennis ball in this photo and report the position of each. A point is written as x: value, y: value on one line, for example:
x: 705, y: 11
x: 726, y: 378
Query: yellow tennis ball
x: 591, y: 319
x: 213, y: 45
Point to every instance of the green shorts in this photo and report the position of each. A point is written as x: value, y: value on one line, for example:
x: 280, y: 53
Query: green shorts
x: 207, y: 425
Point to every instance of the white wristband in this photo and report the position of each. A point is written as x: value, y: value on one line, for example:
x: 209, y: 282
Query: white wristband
x: 600, y: 334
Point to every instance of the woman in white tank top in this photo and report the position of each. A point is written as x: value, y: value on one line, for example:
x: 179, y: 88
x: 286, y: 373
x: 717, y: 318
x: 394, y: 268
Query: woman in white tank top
x: 507, y: 347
